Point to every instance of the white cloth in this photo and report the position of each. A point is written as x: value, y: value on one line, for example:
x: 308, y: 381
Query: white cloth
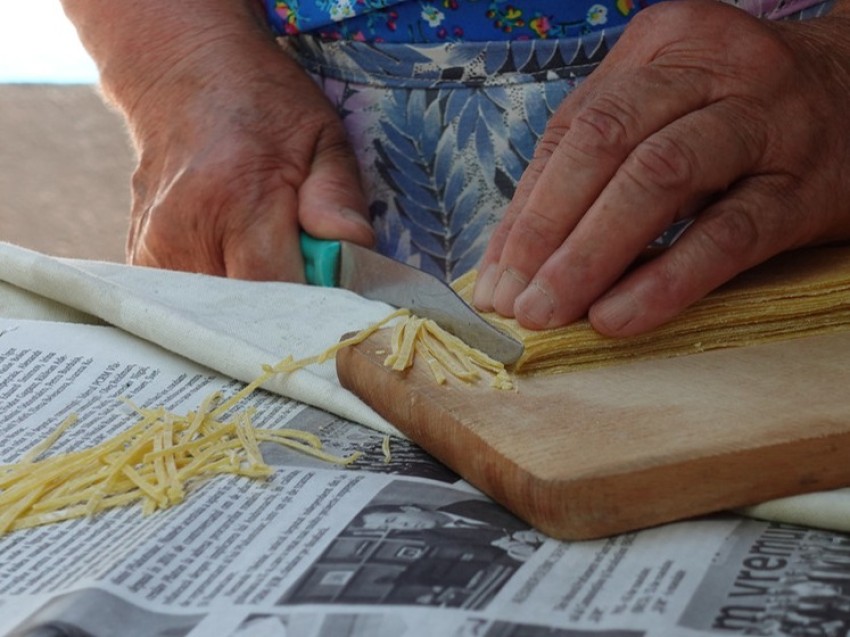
x: 234, y: 327
x: 822, y: 509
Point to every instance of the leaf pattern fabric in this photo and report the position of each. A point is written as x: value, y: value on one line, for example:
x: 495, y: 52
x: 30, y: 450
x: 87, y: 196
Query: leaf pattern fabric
x: 442, y: 133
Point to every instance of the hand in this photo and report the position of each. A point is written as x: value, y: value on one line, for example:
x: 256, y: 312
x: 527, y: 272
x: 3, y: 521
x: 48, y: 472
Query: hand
x: 699, y: 110
x: 231, y: 170
x: 238, y: 148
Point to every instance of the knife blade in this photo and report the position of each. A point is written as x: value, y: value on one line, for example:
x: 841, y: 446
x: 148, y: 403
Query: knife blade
x: 374, y: 276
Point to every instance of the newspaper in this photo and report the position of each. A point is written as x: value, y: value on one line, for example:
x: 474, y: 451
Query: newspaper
x: 379, y: 548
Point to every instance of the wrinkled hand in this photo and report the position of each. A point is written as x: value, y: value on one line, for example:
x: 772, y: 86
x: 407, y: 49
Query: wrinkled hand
x: 238, y: 150
x: 699, y: 110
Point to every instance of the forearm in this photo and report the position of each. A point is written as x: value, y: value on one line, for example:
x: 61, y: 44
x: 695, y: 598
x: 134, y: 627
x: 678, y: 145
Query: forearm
x: 139, y: 45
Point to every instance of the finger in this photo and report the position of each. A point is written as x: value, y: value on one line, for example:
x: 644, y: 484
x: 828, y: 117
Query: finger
x: 332, y: 204
x: 695, y: 156
x: 580, y: 152
x: 264, y: 246
x: 614, y: 65
x: 741, y: 230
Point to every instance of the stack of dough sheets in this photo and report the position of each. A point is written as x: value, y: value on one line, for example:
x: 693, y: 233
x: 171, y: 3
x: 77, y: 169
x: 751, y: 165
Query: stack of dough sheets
x: 797, y: 294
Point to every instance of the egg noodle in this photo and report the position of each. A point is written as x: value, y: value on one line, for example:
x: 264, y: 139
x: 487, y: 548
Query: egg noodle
x: 445, y: 354
x: 153, y: 461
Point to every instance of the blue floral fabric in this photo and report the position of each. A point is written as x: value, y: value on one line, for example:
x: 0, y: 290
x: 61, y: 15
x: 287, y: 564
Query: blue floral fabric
x: 414, y: 21
x: 443, y: 131
x: 448, y: 20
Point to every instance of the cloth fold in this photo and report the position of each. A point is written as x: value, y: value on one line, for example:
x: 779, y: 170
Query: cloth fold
x: 821, y: 509
x: 235, y: 327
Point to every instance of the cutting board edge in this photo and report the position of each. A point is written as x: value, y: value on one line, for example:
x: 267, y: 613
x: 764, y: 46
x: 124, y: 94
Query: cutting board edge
x: 713, y: 487
x: 534, y: 498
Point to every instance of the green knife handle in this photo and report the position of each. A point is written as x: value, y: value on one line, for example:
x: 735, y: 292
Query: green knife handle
x: 321, y: 260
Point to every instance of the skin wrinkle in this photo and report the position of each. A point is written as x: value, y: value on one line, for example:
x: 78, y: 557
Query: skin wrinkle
x: 754, y: 135
x: 650, y: 293
x: 142, y: 222
x: 681, y: 49
x: 242, y: 188
x: 610, y: 122
x: 733, y: 232
x: 170, y: 74
x: 137, y: 225
x: 547, y: 147
x: 673, y: 209
x: 661, y: 162
x: 541, y: 229
x: 668, y: 175
x: 617, y: 310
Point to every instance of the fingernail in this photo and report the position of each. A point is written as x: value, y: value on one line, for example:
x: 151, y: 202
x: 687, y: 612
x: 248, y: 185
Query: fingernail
x: 352, y: 215
x: 535, y: 307
x: 509, y: 287
x: 613, y: 313
x: 482, y: 295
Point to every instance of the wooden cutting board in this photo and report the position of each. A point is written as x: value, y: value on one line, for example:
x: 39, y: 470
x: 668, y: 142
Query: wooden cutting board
x: 599, y: 452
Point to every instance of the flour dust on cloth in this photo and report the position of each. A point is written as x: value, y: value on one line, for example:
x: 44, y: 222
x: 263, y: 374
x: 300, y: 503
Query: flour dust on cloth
x: 233, y: 327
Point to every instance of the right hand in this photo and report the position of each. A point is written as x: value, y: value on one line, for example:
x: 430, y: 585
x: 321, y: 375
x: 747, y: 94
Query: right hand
x: 238, y: 150
x: 700, y: 111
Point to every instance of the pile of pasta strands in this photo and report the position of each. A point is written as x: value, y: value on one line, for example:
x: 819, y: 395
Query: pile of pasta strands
x: 797, y: 294
x: 445, y: 354
x: 154, y: 461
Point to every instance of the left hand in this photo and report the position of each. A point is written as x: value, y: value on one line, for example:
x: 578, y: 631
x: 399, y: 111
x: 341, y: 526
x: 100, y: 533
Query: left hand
x: 699, y: 110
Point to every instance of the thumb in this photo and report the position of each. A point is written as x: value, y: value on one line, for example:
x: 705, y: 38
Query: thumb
x: 331, y: 201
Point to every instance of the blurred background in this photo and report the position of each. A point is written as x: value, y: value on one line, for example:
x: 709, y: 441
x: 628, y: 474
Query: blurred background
x: 65, y: 158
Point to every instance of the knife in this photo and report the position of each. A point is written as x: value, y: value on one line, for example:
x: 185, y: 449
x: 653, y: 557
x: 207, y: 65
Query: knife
x: 370, y: 274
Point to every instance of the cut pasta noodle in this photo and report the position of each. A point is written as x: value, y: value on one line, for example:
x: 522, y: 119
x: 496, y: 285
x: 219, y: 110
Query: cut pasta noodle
x: 153, y: 461
x: 385, y: 449
x: 445, y: 354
